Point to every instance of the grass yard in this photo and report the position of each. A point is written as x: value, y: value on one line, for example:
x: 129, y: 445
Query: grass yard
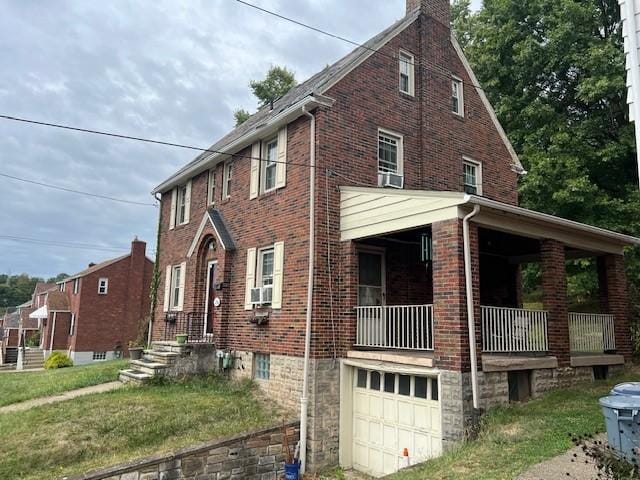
x: 104, y: 429
x: 515, y: 438
x: 19, y: 386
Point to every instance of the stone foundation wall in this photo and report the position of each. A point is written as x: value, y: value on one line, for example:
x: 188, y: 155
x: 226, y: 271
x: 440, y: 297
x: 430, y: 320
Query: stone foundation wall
x: 543, y: 380
x: 194, y: 359
x: 324, y: 414
x: 254, y: 456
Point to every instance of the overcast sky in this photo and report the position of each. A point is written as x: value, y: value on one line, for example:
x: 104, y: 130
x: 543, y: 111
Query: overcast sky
x: 160, y: 69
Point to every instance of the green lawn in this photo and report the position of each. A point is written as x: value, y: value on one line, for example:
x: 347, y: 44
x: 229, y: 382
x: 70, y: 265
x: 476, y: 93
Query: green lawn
x: 19, y: 386
x: 516, y: 437
x: 104, y: 429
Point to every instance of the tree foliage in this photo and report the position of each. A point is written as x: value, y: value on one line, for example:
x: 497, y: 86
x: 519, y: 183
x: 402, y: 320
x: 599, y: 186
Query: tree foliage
x: 17, y: 289
x: 241, y: 116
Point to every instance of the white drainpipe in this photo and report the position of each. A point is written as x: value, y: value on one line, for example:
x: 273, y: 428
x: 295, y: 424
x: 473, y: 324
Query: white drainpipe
x: 634, y: 70
x: 304, y: 400
x: 470, y: 308
x: 53, y: 331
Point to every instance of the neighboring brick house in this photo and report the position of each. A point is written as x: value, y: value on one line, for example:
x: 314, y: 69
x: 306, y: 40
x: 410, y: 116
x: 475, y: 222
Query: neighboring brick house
x: 402, y: 277
x: 94, y: 314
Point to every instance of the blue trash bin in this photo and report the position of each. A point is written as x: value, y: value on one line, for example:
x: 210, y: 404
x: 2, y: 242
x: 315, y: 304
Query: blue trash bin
x: 628, y: 388
x: 622, y: 419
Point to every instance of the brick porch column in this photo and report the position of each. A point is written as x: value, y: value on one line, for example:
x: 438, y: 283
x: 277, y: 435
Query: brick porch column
x: 613, y: 295
x: 554, y: 297
x: 451, y: 334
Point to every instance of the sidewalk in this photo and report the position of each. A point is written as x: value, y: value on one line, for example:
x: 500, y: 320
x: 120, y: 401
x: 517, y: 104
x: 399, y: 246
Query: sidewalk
x: 36, y: 402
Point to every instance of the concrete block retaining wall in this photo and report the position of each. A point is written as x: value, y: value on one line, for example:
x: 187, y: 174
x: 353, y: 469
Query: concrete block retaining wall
x: 254, y: 456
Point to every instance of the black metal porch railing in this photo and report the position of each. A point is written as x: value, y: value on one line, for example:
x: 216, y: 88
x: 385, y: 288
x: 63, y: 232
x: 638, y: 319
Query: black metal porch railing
x: 192, y: 324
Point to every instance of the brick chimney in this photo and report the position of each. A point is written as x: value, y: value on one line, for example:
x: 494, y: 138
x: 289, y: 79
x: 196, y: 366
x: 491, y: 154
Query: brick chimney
x: 437, y: 9
x: 136, y: 292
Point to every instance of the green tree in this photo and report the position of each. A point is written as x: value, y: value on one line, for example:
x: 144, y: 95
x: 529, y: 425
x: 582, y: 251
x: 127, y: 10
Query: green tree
x: 241, y: 116
x: 57, y: 278
x: 16, y: 289
x: 279, y: 81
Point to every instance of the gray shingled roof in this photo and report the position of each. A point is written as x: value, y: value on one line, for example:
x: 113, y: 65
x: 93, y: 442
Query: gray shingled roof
x: 221, y: 228
x: 317, y: 84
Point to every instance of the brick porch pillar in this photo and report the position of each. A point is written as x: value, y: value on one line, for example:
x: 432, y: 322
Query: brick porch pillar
x: 613, y: 296
x: 554, y: 297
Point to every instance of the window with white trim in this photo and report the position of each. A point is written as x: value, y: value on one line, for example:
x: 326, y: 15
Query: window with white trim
x: 176, y: 280
x: 262, y: 366
x: 264, y: 277
x: 72, y: 326
x: 103, y: 286
x: 269, y: 165
x: 181, y: 205
x: 227, y: 174
x: 457, y: 96
x: 407, y: 78
x: 76, y: 285
x: 211, y: 187
x: 472, y: 176
x: 61, y: 287
x: 389, y: 153
x: 98, y: 356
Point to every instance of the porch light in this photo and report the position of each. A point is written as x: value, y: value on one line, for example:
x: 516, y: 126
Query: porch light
x: 426, y: 249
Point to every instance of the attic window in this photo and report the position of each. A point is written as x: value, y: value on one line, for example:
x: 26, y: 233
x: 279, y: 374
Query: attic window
x: 103, y: 286
x: 457, y: 96
x: 76, y: 286
x: 407, y: 73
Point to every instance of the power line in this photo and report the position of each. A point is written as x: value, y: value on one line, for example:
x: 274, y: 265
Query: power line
x: 79, y: 192
x: 352, y: 42
x: 59, y: 243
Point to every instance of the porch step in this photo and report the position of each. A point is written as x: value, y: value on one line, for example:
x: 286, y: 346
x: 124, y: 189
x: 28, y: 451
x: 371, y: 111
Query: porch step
x: 152, y: 368
x: 166, y: 358
x: 168, y: 346
x: 133, y: 376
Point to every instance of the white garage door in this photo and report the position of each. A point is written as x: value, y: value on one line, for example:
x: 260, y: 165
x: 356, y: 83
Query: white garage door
x: 392, y: 412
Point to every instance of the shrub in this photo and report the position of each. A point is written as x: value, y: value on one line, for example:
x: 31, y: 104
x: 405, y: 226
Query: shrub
x: 58, y: 360
x: 33, y: 340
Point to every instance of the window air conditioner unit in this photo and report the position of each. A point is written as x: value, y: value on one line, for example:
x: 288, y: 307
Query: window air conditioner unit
x: 261, y: 295
x: 392, y: 180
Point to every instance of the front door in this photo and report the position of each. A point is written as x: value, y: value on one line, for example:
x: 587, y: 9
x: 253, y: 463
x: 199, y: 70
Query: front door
x: 371, y: 290
x: 211, y: 293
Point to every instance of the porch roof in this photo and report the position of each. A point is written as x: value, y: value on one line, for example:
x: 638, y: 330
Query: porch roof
x: 368, y: 212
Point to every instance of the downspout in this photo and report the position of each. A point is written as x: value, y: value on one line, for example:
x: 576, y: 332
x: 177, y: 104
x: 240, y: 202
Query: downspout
x: 470, y: 307
x: 53, y: 332
x: 304, y: 400
x: 634, y: 70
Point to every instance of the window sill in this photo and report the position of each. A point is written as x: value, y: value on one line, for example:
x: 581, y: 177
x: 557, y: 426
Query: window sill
x: 268, y: 194
x: 408, y: 96
x: 458, y: 117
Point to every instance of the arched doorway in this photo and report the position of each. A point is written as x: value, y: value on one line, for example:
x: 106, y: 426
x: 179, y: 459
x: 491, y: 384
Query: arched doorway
x: 207, y: 272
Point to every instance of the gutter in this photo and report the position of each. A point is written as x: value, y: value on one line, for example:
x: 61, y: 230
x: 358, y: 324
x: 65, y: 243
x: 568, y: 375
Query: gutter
x: 632, y: 36
x: 286, y: 116
x: 304, y: 399
x: 471, y: 321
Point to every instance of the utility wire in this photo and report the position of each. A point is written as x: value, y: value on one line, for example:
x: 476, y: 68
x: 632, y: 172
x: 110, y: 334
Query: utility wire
x: 79, y: 192
x: 55, y: 243
x: 352, y: 42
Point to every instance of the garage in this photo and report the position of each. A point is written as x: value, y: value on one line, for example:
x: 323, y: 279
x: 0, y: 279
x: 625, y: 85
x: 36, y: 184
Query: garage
x: 386, y: 412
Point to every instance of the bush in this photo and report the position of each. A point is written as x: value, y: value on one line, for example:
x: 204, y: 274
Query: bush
x: 58, y: 360
x: 33, y: 340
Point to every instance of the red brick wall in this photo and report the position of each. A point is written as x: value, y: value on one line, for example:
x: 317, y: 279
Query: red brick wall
x: 614, y: 284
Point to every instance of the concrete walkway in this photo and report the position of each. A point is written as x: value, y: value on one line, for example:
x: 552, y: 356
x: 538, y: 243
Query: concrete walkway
x: 36, y: 402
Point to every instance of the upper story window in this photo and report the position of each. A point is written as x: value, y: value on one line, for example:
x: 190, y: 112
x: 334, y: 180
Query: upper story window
x: 181, y: 205
x: 72, y: 327
x: 227, y: 173
x: 76, y: 286
x: 176, y: 285
x: 265, y: 268
x: 61, y: 287
x: 457, y: 96
x: 211, y: 187
x: 269, y: 165
x: 407, y: 77
x: 103, y: 286
x: 472, y: 174
x: 389, y: 153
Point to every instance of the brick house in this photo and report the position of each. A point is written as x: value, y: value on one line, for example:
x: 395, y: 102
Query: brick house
x: 94, y: 314
x: 388, y: 177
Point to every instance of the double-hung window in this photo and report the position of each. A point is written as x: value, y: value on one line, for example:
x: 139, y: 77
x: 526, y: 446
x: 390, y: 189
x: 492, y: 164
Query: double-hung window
x: 269, y: 165
x: 472, y: 176
x: 265, y: 268
x: 181, y: 205
x: 72, y: 327
x: 76, y: 286
x: 103, y: 286
x: 457, y: 96
x: 211, y: 187
x: 61, y: 287
x: 389, y: 153
x: 227, y: 172
x: 407, y: 78
x: 176, y: 283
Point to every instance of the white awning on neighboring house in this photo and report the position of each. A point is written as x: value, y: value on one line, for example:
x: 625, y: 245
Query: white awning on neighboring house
x: 40, y: 313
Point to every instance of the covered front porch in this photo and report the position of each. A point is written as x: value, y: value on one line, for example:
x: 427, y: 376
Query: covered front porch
x: 408, y: 250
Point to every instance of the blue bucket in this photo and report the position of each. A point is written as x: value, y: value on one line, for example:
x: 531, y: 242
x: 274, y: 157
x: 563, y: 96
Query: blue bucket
x: 291, y: 471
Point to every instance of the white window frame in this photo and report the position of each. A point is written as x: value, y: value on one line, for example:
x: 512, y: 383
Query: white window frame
x: 103, y: 286
x: 263, y: 373
x: 259, y: 268
x: 211, y: 187
x: 405, y: 58
x: 227, y: 177
x: 72, y: 326
x: 269, y: 163
x: 99, y: 356
x: 457, y: 81
x: 61, y: 288
x: 466, y: 161
x: 399, y: 150
x: 181, y: 204
x: 76, y: 285
x: 176, y: 294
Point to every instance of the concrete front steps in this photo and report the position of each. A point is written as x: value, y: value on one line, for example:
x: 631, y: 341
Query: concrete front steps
x: 155, y: 362
x: 33, y: 358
